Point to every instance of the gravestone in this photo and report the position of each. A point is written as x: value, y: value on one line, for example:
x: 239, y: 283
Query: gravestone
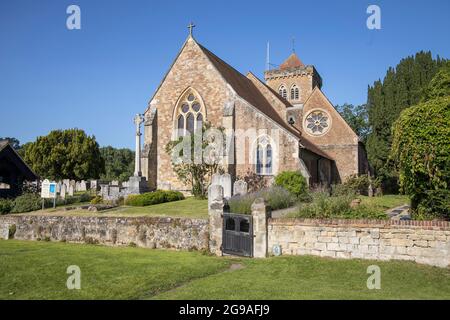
x: 225, y: 182
x: 58, y: 187
x: 71, y: 190
x: 83, y: 186
x: 93, y: 185
x: 215, y: 179
x: 115, y: 182
x: 62, y: 193
x: 240, y: 188
x: 77, y: 186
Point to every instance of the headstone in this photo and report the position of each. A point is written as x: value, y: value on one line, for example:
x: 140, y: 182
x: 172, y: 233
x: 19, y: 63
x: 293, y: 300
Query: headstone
x: 93, y: 185
x: 58, y: 187
x: 115, y: 182
x: 240, y: 188
x: 225, y: 182
x: 370, y: 191
x: 104, y: 190
x: 66, y: 182
x: 83, y: 185
x: 63, y: 191
x: 215, y: 194
x: 215, y: 180
x: 77, y: 186
x: 71, y: 190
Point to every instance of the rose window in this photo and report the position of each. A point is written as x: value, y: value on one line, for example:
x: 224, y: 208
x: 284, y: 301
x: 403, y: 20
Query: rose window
x: 317, y: 122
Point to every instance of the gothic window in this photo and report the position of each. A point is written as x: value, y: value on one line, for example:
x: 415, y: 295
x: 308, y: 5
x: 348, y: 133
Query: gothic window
x: 295, y: 92
x: 189, y: 114
x: 264, y: 157
x: 282, y: 91
x: 317, y: 122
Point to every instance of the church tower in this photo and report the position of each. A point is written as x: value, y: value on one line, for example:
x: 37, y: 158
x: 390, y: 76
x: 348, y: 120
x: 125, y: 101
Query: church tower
x: 293, y: 80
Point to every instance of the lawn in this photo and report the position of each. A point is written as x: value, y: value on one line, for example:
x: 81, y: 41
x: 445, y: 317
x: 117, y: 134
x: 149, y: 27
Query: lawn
x: 189, y: 208
x: 385, y: 202
x: 33, y: 270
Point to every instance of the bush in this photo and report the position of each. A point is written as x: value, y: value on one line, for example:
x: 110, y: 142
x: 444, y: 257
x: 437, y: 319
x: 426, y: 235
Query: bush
x: 27, y: 202
x: 436, y: 203
x: 292, y: 181
x: 150, y: 198
x: 276, y: 197
x: 97, y: 200
x: 421, y: 151
x: 355, y: 185
x: 5, y: 206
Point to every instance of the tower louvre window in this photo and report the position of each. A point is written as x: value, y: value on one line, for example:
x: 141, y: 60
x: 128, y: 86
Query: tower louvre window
x: 295, y: 94
x: 283, y: 92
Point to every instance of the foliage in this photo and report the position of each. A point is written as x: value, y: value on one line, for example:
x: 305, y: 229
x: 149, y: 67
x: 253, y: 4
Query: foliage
x: 65, y: 154
x: 5, y: 206
x: 119, y: 163
x: 15, y: 143
x: 439, y: 85
x: 255, y: 182
x: 357, y: 118
x: 26, y: 202
x: 401, y: 88
x: 355, y: 184
x: 421, y: 150
x: 97, y: 200
x: 150, y: 198
x: 292, y: 181
x: 196, y: 157
x: 276, y: 197
x: 324, y: 206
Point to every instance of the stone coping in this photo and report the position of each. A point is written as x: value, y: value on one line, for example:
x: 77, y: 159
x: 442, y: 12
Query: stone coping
x: 369, y: 223
x: 143, y: 219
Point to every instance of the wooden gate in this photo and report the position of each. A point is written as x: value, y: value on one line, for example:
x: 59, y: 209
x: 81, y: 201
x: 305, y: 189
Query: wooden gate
x: 237, y: 234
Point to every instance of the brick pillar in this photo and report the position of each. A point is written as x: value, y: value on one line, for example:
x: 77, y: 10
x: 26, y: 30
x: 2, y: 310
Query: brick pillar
x: 215, y: 210
x: 260, y: 213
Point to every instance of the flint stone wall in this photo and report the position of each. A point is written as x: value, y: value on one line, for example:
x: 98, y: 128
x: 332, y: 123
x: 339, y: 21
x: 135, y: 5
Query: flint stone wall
x: 426, y: 242
x: 150, y: 232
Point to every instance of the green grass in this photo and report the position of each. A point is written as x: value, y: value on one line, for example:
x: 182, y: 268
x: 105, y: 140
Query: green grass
x: 385, y: 202
x: 307, y: 277
x: 37, y: 270
x: 189, y: 208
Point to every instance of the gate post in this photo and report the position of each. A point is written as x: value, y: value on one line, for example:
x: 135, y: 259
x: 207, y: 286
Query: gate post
x: 215, y: 212
x: 260, y: 213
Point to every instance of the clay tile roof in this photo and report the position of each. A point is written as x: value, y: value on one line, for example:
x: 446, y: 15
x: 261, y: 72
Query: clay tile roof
x: 292, y: 62
x: 247, y: 90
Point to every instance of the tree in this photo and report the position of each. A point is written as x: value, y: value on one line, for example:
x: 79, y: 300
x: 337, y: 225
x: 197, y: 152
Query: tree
x: 119, y: 163
x: 65, y: 154
x: 401, y: 88
x: 421, y: 149
x: 196, y: 157
x: 15, y: 143
x: 357, y: 119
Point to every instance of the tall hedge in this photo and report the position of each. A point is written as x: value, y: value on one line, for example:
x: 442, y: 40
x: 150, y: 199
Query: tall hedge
x: 421, y: 151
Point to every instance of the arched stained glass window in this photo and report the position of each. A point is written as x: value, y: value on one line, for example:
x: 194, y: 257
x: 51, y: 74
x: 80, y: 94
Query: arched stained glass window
x: 282, y: 91
x: 264, y: 156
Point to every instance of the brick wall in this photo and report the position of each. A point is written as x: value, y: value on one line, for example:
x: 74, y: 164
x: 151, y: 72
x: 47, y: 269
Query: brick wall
x: 150, y: 232
x: 424, y: 242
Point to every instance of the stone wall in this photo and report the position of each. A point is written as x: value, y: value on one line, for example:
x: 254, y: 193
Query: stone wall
x: 426, y: 242
x: 150, y: 232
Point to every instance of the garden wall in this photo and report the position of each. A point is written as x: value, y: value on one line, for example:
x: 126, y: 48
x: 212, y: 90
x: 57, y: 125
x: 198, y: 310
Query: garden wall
x: 426, y: 242
x: 150, y: 232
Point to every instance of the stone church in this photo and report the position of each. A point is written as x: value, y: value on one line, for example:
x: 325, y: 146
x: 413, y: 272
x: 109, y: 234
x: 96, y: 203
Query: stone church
x: 282, y: 123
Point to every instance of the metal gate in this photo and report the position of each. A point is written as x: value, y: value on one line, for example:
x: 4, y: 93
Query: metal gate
x: 237, y: 234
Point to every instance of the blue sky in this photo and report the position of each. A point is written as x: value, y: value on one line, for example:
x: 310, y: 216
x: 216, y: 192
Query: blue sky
x: 98, y: 77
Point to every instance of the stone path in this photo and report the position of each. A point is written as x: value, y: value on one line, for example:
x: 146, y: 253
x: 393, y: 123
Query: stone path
x: 399, y: 213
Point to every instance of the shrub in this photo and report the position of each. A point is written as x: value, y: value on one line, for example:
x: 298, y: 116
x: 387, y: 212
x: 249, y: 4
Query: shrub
x: 324, y: 206
x: 97, y: 200
x: 355, y: 185
x: 27, y: 202
x: 12, y: 231
x: 5, y: 206
x: 150, y: 198
x: 421, y: 151
x: 436, y: 203
x: 255, y: 182
x: 276, y: 197
x: 292, y: 181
